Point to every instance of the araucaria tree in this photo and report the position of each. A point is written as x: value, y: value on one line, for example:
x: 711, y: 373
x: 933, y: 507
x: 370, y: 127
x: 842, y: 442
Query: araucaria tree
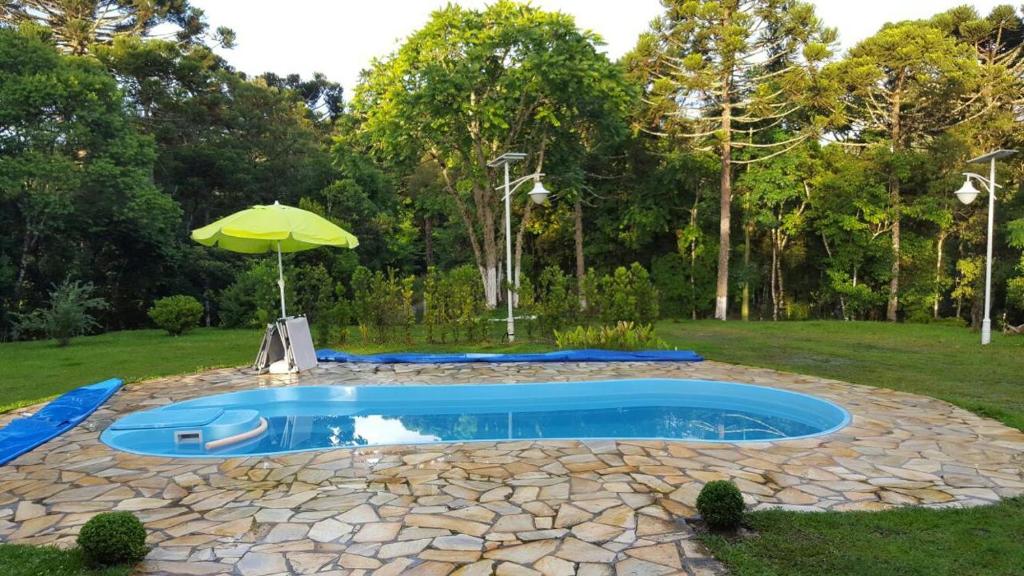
x: 901, y: 87
x: 77, y: 25
x: 726, y: 74
x: 471, y: 85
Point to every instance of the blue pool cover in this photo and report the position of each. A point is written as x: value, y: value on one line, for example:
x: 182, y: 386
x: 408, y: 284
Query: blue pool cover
x: 589, y: 355
x: 57, y: 417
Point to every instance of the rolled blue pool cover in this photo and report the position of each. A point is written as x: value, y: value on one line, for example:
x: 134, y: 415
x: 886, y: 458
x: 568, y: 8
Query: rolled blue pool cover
x: 586, y: 355
x: 59, y: 416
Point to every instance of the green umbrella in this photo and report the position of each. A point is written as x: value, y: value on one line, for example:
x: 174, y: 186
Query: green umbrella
x: 280, y: 228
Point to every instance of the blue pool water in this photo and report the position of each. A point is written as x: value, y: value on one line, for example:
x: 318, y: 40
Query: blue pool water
x: 276, y: 420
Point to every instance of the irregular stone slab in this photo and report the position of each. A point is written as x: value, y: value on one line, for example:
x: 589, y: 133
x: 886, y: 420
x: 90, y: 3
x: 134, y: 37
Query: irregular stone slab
x: 261, y: 564
x: 136, y: 504
x: 481, y: 568
x: 524, y: 553
x: 309, y: 563
x: 579, y: 551
x: 551, y: 566
x: 458, y: 542
x: 286, y: 532
x: 447, y: 523
x: 356, y: 562
x: 664, y: 554
x: 359, y: 515
x: 329, y: 530
x: 635, y: 567
x: 377, y: 532
x: 28, y: 510
x: 406, y: 548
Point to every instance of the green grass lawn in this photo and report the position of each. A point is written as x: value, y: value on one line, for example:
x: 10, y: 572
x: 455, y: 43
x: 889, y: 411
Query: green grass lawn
x: 938, y: 360
x: 986, y: 541
x: 33, y: 371
x: 18, y: 560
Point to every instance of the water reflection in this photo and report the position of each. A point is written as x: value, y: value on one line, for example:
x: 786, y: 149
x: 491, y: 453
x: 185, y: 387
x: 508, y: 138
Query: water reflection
x: 325, y: 431
x: 377, y: 429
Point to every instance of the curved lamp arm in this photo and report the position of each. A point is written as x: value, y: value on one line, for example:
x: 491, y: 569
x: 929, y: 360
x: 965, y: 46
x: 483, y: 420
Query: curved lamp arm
x: 515, y: 184
x: 989, y: 185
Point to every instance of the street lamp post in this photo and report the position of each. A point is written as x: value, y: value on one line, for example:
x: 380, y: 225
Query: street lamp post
x: 539, y: 194
x: 966, y: 194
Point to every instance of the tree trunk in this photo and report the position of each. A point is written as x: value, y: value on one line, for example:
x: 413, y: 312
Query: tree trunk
x: 779, y: 279
x: 938, y: 274
x: 722, y: 283
x: 894, y: 202
x: 745, y: 309
x: 957, y: 280
x: 491, y: 259
x: 467, y: 221
x: 428, y: 240
x: 693, y: 257
x: 517, y: 263
x: 894, y: 282
x: 581, y: 267
x: 775, y: 275
x: 26, y: 252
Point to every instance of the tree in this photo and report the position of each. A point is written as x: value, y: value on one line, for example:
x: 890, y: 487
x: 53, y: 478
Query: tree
x: 1015, y: 286
x: 223, y: 142
x: 75, y: 189
x: 77, y: 25
x: 719, y: 70
x: 849, y: 215
x: 904, y: 85
x: 777, y: 193
x: 471, y: 85
x: 321, y: 95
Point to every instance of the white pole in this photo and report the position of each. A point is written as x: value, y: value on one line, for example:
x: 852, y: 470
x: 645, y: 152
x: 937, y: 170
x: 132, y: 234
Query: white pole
x: 280, y: 278
x: 511, y: 328
x: 986, y: 323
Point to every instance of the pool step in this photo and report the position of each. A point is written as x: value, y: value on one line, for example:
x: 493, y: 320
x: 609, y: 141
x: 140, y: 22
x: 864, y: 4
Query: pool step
x: 209, y: 428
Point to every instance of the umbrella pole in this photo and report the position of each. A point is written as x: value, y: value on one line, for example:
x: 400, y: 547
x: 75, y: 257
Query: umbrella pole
x: 280, y: 278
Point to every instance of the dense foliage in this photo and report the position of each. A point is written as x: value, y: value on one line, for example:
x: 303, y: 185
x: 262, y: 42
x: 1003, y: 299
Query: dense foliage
x: 621, y: 336
x: 720, y: 504
x: 112, y: 538
x: 67, y: 314
x: 176, y: 314
x: 803, y: 184
x: 453, y: 305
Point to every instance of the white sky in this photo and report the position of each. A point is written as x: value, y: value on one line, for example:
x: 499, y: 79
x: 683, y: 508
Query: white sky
x: 339, y: 38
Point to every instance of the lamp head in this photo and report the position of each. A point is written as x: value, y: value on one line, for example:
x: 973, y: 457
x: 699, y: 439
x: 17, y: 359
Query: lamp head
x: 967, y: 193
x: 539, y: 194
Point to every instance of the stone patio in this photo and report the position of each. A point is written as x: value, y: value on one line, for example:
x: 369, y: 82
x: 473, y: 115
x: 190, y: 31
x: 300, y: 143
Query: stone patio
x: 507, y: 508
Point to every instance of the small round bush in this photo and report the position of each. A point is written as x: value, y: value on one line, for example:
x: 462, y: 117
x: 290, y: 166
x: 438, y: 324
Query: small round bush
x: 176, y: 314
x: 720, y: 503
x: 112, y: 538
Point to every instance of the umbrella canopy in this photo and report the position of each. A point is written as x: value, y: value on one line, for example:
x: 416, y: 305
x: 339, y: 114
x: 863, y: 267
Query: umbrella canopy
x: 276, y: 228
x: 273, y: 228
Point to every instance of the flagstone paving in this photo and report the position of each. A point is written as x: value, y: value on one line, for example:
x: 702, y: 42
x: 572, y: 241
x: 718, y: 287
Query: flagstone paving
x: 507, y: 508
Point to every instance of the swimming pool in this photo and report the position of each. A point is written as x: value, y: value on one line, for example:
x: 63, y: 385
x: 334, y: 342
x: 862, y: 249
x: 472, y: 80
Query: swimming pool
x: 279, y: 420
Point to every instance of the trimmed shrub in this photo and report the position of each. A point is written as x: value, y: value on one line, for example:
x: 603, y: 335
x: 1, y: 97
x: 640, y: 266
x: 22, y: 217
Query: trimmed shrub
x: 622, y: 336
x: 720, y: 503
x: 111, y: 538
x: 176, y: 314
